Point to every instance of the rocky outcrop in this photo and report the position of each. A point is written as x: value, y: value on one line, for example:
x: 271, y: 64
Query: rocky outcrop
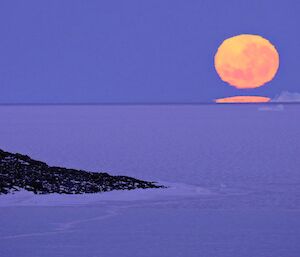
x: 19, y: 171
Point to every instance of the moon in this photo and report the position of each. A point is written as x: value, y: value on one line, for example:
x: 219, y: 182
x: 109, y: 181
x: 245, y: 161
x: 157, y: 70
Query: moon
x: 246, y: 61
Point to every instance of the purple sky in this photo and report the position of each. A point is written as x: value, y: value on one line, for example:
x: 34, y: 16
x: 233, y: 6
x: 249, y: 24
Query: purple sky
x: 72, y: 51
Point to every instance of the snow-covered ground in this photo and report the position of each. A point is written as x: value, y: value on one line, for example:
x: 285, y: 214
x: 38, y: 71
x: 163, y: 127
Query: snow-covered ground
x: 183, y: 220
x: 232, y: 171
x: 173, y: 190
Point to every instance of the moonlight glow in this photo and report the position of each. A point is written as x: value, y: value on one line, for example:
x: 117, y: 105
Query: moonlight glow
x: 244, y: 99
x: 246, y: 61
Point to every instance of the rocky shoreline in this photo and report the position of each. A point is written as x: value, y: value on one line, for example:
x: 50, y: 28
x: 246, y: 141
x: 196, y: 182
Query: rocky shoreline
x: 19, y: 172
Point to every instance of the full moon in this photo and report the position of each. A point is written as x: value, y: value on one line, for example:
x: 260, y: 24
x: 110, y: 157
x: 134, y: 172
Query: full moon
x: 246, y: 61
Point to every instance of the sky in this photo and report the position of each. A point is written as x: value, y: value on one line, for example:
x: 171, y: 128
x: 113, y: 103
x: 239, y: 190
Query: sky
x: 136, y: 51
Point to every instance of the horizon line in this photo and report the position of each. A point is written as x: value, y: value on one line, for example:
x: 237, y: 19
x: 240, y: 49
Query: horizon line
x: 145, y: 103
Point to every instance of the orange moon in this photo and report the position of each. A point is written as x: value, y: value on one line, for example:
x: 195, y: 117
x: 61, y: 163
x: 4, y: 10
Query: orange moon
x: 246, y: 61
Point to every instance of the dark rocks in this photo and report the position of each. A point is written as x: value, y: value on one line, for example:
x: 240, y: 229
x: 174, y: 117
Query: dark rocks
x: 21, y: 172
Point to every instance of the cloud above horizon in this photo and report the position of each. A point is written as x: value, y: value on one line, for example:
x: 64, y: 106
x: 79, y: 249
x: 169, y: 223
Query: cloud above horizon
x: 286, y: 96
